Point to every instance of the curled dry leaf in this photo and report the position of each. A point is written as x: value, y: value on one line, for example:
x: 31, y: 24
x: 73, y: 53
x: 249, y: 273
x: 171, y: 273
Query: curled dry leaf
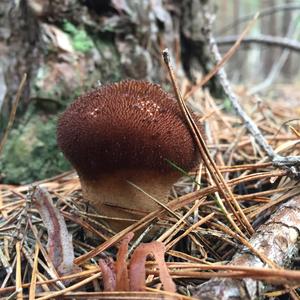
x: 137, y: 271
x: 60, y: 247
x: 121, y: 266
x: 115, y: 275
x: 117, y: 278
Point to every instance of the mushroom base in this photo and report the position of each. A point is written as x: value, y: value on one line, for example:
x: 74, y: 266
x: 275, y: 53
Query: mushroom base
x: 114, y: 197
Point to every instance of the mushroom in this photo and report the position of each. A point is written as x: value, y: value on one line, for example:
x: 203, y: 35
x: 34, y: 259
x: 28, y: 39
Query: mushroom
x: 126, y: 131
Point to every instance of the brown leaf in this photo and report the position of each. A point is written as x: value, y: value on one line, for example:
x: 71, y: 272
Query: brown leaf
x: 60, y: 246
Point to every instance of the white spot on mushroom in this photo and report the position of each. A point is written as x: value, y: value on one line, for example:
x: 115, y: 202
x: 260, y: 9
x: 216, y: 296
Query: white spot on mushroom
x: 95, y: 111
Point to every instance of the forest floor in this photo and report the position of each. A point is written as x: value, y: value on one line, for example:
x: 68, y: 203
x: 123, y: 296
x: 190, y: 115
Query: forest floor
x: 195, y: 230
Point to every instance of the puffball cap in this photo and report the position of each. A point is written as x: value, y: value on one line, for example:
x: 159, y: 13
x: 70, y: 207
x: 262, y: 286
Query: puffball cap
x: 127, y: 125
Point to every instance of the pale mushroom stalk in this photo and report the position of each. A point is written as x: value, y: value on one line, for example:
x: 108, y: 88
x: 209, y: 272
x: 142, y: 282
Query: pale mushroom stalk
x: 126, y: 131
x: 111, y: 191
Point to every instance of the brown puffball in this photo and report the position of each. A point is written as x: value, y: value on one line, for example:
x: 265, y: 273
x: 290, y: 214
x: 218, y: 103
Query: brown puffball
x: 126, y: 131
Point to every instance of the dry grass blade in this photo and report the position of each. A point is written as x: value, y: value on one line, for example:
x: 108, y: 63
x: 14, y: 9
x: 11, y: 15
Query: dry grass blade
x: 226, y: 230
x: 295, y: 131
x: 153, y: 294
x: 155, y: 200
x: 50, y: 268
x: 176, y: 227
x: 70, y: 288
x: 172, y: 295
x: 59, y: 246
x: 34, y: 273
x: 210, y: 164
x: 190, y: 229
x: 19, y: 288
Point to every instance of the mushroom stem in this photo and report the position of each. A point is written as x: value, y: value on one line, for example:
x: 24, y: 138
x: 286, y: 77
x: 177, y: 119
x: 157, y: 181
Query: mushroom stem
x: 113, y: 196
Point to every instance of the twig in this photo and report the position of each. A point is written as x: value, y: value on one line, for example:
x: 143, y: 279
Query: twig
x: 139, y: 239
x: 268, y: 40
x: 13, y: 112
x: 290, y: 162
x: 282, y: 226
x: 5, y: 263
x: 265, y: 12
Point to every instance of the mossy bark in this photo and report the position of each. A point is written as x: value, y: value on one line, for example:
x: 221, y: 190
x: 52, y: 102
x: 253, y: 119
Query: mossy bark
x: 69, y: 47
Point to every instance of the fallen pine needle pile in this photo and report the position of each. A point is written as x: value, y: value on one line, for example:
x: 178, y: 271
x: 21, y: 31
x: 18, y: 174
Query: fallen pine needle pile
x: 53, y: 244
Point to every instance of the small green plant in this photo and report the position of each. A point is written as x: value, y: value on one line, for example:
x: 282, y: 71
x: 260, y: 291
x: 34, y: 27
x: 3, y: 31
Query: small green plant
x: 227, y: 105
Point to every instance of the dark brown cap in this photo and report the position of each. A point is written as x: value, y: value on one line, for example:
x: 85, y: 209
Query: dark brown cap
x: 126, y: 125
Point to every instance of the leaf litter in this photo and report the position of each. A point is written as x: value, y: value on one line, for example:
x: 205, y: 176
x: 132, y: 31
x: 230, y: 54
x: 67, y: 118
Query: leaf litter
x: 194, y: 229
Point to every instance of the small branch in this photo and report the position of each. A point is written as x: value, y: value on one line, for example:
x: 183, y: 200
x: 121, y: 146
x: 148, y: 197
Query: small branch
x: 288, y: 161
x: 265, y: 12
x: 293, y: 162
x: 268, y: 40
x: 282, y: 226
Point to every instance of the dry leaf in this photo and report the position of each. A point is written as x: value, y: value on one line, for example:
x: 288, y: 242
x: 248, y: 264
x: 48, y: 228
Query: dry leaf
x: 60, y: 246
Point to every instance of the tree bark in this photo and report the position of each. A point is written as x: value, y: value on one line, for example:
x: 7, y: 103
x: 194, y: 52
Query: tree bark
x: 19, y: 44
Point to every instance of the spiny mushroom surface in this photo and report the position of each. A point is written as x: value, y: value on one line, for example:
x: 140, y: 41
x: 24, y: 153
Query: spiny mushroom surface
x: 126, y: 131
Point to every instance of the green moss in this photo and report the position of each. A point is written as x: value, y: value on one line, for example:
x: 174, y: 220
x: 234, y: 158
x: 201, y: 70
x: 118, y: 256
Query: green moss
x: 31, y: 152
x: 81, y: 41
